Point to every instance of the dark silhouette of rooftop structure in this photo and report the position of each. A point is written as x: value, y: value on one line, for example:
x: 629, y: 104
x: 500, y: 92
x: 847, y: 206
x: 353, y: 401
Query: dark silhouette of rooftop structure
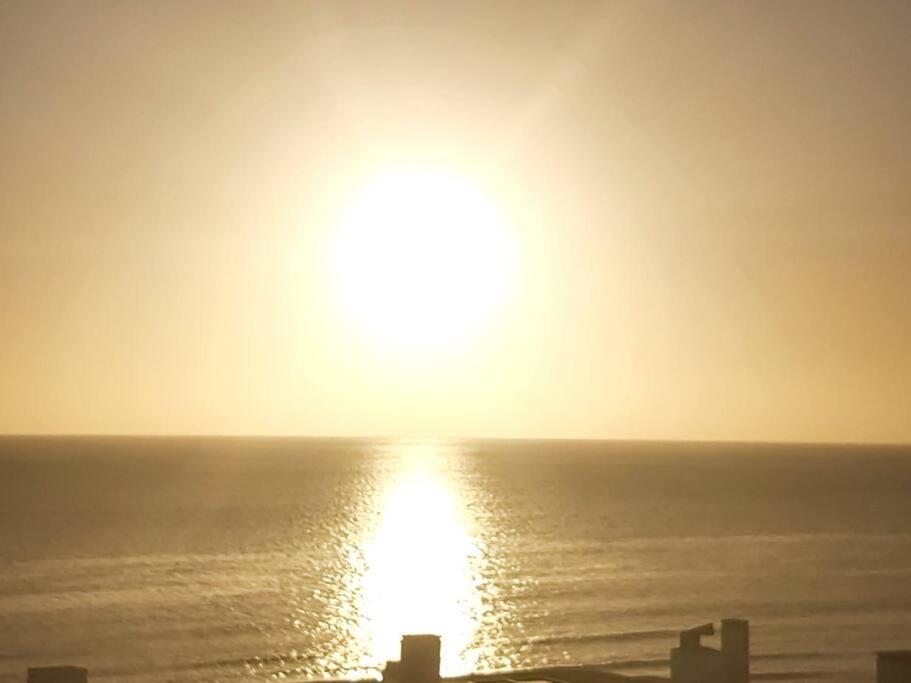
x: 419, y: 661
x: 58, y: 674
x: 893, y: 666
x: 693, y: 662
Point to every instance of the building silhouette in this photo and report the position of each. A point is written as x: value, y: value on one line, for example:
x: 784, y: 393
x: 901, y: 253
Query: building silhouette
x: 693, y: 662
x: 893, y: 667
x: 419, y: 661
x: 58, y: 674
x: 690, y: 662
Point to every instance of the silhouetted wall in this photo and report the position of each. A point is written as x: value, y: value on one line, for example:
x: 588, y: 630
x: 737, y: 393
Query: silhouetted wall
x: 696, y: 665
x: 58, y: 674
x: 893, y: 667
x: 693, y: 662
x: 392, y: 672
x: 735, y: 650
x: 420, y: 659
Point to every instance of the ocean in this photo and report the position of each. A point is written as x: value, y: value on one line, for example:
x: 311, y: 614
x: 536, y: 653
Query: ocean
x: 166, y: 559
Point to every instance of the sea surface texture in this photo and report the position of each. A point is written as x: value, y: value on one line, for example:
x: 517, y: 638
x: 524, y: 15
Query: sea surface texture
x: 230, y: 559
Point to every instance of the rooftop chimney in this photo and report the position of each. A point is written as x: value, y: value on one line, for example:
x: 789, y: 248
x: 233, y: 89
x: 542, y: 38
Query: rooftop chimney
x: 420, y: 659
x: 735, y: 650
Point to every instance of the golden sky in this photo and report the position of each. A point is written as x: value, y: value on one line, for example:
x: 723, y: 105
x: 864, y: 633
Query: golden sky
x: 701, y: 218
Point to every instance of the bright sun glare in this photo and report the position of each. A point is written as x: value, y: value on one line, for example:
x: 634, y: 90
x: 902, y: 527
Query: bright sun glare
x: 421, y: 258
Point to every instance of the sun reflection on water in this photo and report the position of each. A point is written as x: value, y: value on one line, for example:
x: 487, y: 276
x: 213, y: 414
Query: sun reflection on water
x: 419, y: 574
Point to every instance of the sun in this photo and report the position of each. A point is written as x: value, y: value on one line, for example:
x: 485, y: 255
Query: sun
x: 422, y: 258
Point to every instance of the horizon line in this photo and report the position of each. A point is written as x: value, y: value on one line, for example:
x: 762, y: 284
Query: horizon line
x: 328, y: 437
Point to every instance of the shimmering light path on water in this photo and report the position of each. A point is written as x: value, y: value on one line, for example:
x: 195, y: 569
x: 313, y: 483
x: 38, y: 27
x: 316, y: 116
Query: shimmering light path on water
x: 420, y: 570
x: 282, y: 559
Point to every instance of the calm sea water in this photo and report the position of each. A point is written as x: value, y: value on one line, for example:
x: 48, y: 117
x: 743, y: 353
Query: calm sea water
x: 226, y: 559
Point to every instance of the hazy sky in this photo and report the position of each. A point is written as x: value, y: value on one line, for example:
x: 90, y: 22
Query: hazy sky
x: 711, y: 202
